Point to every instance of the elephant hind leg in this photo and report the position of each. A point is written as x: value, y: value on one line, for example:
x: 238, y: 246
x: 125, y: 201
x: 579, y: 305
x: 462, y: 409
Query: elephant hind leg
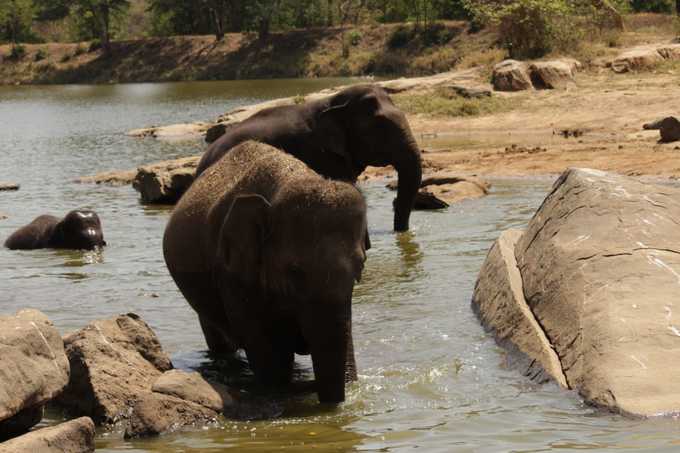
x: 271, y: 361
x: 217, y: 342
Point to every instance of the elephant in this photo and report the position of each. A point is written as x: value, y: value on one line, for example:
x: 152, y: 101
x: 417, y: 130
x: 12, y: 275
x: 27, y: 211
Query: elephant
x: 337, y: 137
x: 267, y: 252
x: 78, y: 230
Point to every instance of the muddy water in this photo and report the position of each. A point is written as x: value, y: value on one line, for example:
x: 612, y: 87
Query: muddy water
x: 430, y: 377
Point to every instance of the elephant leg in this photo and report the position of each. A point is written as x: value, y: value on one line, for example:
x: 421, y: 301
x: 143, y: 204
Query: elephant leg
x: 271, y: 359
x: 199, y: 289
x: 350, y: 364
x: 215, y: 338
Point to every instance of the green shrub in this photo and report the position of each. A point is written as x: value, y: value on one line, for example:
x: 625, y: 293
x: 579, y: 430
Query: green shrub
x: 95, y: 45
x: 653, y: 6
x: 18, y: 52
x: 354, y: 37
x: 400, y: 37
x: 40, y: 55
x: 299, y: 99
x: 443, y: 103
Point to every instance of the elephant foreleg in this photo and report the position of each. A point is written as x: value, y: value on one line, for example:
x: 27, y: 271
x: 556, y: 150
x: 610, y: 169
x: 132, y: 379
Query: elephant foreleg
x: 217, y: 342
x: 270, y: 360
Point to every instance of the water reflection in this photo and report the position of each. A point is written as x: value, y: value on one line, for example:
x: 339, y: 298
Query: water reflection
x: 411, y: 255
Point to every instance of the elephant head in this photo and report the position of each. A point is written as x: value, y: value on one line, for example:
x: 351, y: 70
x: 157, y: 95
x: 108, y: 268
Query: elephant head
x: 79, y: 229
x: 303, y: 249
x: 377, y: 133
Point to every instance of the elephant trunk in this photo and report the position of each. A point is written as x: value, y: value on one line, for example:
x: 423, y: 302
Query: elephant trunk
x: 330, y: 343
x: 409, y: 169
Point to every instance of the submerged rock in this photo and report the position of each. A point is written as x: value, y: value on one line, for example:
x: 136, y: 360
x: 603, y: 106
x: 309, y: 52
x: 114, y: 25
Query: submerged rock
x: 440, y: 190
x: 113, y: 363
x: 33, y: 369
x: 599, y: 265
x: 75, y: 436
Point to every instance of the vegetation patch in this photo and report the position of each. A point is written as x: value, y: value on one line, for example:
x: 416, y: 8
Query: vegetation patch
x: 444, y: 103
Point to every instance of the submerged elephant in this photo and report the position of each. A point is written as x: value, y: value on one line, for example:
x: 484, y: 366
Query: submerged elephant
x: 267, y: 252
x: 79, y: 229
x: 338, y: 137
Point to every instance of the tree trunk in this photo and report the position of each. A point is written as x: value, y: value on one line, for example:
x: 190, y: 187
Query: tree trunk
x: 217, y: 12
x: 103, y: 17
x: 677, y: 7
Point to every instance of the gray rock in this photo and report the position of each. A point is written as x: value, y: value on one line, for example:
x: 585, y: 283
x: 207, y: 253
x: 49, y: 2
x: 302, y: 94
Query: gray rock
x: 33, y: 369
x: 668, y: 127
x: 442, y: 189
x: 194, y: 388
x: 469, y: 92
x: 113, y: 363
x: 165, y: 182
x: 9, y: 186
x: 556, y: 74
x: 600, y: 270
x: 156, y: 413
x: 511, y: 75
x: 75, y: 436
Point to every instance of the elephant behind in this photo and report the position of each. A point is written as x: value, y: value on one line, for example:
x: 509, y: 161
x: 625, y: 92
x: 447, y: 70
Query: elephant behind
x: 337, y: 137
x: 267, y: 252
x: 79, y: 229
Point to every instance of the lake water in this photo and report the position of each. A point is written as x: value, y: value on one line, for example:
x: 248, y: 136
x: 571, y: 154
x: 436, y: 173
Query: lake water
x: 430, y: 377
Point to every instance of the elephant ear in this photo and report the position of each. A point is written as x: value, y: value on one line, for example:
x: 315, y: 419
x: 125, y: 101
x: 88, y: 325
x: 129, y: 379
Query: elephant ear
x: 242, y: 237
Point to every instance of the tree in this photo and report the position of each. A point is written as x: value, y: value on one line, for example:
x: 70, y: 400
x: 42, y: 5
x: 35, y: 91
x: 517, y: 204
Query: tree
x: 101, y: 12
x: 16, y: 17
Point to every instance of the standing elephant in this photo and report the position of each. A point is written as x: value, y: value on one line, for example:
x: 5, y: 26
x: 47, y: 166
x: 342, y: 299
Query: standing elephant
x: 79, y: 229
x: 338, y: 137
x: 267, y: 251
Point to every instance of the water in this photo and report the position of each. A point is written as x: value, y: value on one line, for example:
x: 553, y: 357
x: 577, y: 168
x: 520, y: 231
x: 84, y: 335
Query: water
x: 430, y: 377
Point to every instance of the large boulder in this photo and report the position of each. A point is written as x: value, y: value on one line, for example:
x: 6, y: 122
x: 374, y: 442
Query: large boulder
x: 33, y: 369
x: 668, y: 127
x: 511, y: 75
x: 637, y: 59
x: 75, y: 436
x: 600, y: 270
x: 165, y: 182
x: 113, y: 362
x: 554, y: 74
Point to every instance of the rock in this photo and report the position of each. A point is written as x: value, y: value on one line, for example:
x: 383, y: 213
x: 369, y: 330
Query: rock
x: 8, y: 186
x: 75, y: 436
x: 600, y: 267
x: 113, y: 363
x: 156, y: 413
x: 469, y: 92
x: 165, y: 182
x: 511, y: 75
x: 33, y: 369
x: 174, y: 132
x: 3, y: 216
x: 439, y: 190
x: 194, y: 388
x: 637, y: 59
x: 669, y: 51
x: 669, y: 128
x: 499, y: 302
x: 114, y: 178
x: 553, y: 74
x: 217, y: 131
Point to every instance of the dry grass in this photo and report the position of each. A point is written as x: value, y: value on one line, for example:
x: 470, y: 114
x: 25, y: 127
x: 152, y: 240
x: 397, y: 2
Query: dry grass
x: 442, y: 103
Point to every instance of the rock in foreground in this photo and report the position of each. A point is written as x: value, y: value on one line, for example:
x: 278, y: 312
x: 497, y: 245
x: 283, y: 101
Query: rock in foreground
x: 76, y: 436
x: 33, y: 369
x: 113, y: 362
x: 600, y: 271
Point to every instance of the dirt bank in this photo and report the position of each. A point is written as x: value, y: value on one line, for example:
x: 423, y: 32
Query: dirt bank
x: 323, y: 52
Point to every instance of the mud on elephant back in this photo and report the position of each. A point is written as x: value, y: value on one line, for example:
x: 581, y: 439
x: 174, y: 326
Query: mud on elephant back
x: 267, y: 252
x: 338, y: 137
